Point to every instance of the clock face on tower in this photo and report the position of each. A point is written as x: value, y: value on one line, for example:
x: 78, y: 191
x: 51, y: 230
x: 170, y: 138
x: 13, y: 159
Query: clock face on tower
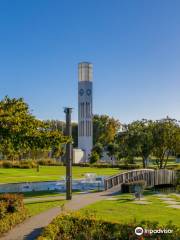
x: 81, y: 92
x: 88, y: 92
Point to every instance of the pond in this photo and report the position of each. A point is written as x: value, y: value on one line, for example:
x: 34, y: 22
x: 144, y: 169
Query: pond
x: 95, y: 183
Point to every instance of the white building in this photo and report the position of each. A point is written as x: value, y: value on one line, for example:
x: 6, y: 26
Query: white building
x: 85, y: 108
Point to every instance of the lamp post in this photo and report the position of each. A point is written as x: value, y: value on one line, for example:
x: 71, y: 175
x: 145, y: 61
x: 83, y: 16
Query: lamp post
x: 68, y: 112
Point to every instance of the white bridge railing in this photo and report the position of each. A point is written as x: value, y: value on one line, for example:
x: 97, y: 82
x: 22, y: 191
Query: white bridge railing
x: 150, y: 176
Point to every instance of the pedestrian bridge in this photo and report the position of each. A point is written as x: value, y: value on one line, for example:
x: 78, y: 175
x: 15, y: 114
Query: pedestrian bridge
x: 150, y: 176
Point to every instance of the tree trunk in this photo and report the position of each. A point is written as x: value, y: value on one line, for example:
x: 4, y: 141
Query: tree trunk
x: 165, y: 164
x: 144, y: 162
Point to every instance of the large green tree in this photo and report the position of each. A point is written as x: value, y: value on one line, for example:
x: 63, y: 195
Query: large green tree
x: 61, y: 126
x: 21, y: 132
x: 140, y: 139
x: 16, y: 125
x: 112, y: 150
x: 105, y: 129
x: 166, y: 137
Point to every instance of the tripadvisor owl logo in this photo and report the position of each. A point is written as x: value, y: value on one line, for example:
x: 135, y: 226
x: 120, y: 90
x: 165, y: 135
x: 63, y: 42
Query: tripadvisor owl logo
x: 139, y: 231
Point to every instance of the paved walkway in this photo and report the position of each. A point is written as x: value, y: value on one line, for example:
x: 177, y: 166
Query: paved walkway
x: 32, y: 227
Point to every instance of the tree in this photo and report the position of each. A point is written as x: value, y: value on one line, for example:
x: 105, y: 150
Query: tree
x: 112, y: 150
x: 104, y: 129
x: 128, y: 146
x: 98, y: 148
x: 141, y: 139
x: 16, y: 125
x: 94, y: 157
x: 61, y: 126
x: 21, y: 132
x: 166, y: 136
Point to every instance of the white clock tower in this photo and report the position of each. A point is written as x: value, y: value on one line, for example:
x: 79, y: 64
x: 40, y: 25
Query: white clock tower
x: 85, y: 113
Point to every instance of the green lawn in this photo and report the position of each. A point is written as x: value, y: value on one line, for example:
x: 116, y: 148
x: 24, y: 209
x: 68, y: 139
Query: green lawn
x: 42, y: 194
x: 38, y: 207
x: 124, y: 210
x: 48, y: 173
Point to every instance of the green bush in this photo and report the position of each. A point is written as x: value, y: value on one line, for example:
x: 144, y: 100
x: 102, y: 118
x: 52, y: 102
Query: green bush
x: 107, y: 165
x: 75, y: 226
x: 129, y: 166
x: 49, y: 162
x: 81, y: 164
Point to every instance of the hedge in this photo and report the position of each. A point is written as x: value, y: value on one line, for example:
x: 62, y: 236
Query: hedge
x: 75, y: 226
x: 49, y: 162
x: 24, y: 164
x: 106, y: 165
x: 12, y: 211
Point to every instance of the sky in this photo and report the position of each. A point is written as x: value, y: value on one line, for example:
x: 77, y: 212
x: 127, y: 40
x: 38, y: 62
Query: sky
x: 134, y: 46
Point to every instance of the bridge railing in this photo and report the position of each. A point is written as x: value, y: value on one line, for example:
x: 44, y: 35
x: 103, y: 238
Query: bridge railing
x: 150, y: 176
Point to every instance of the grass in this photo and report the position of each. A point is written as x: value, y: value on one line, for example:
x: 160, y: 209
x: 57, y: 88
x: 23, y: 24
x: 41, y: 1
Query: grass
x: 38, y: 207
x: 44, y: 194
x: 49, y: 173
x: 124, y: 210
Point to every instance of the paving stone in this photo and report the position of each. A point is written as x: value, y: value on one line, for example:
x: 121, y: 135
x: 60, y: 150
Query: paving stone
x: 171, y: 202
x: 174, y: 206
x: 166, y: 199
x: 161, y: 195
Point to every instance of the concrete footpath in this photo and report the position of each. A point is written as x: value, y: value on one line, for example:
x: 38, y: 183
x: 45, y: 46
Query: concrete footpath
x: 31, y: 228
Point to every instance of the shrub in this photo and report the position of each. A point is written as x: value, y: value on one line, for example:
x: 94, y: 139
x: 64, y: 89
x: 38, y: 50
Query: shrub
x: 11, y: 219
x: 3, y: 209
x: 75, y: 226
x: 129, y: 166
x: 7, y: 164
x: 49, y: 162
x: 26, y: 164
x: 81, y: 164
x: 18, y: 164
x: 108, y: 165
x: 94, y: 157
x: 12, y: 211
x: 14, y: 202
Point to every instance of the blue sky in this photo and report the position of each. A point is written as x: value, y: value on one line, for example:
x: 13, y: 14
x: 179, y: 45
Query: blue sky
x: 133, y: 44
